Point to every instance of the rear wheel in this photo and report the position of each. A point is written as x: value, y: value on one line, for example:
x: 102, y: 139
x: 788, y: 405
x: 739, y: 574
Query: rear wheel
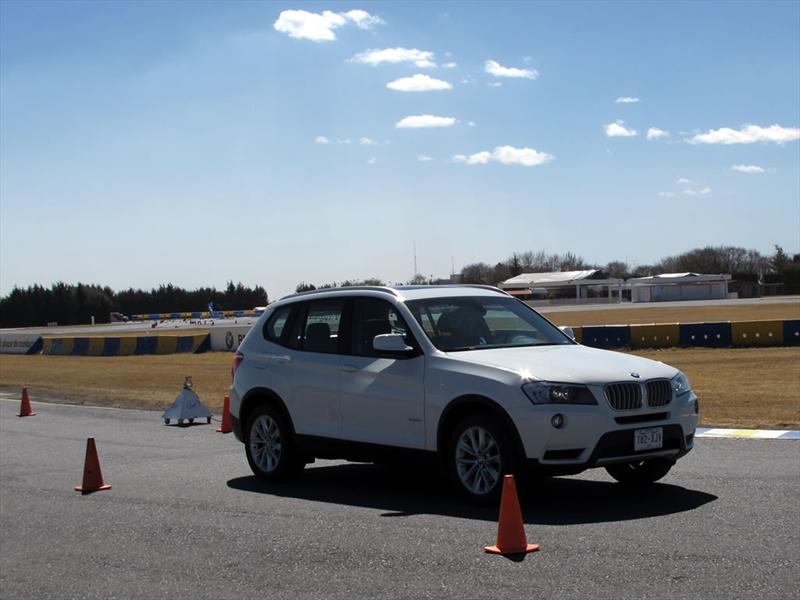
x: 269, y: 446
x: 478, y: 456
x: 641, y: 472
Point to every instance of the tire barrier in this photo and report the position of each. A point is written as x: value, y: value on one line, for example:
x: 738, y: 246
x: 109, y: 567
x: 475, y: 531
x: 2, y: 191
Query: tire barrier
x: 791, y: 333
x: 711, y: 335
x: 655, y: 336
x: 757, y: 333
x: 126, y: 346
x: 606, y: 336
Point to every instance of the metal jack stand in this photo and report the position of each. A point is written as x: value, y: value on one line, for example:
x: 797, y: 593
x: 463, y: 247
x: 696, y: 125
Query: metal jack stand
x: 187, y: 407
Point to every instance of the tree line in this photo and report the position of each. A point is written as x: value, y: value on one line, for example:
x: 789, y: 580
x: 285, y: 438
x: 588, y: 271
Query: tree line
x: 741, y: 263
x: 68, y: 304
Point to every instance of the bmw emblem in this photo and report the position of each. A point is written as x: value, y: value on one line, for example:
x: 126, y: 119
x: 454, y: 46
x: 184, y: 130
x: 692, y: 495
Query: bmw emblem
x: 635, y: 375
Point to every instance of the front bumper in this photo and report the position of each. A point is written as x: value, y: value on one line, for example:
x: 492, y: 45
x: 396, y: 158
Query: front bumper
x: 593, y: 436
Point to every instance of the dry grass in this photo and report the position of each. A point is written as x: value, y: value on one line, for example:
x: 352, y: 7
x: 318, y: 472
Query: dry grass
x: 749, y: 387
x: 680, y: 314
x: 744, y: 387
x: 150, y: 381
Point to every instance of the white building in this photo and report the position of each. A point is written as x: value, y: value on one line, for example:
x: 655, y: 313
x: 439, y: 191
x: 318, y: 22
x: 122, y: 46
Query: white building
x: 577, y: 285
x: 668, y: 287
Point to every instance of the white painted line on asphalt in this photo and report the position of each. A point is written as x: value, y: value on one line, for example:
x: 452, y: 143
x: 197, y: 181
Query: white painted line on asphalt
x: 762, y: 434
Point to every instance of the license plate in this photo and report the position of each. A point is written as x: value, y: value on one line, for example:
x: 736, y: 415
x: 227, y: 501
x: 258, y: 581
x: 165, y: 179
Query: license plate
x: 648, y: 439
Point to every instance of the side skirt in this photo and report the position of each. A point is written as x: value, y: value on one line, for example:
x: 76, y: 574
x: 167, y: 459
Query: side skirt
x: 322, y: 447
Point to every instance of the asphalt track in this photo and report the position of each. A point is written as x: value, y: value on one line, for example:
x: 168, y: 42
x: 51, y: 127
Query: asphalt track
x: 185, y: 519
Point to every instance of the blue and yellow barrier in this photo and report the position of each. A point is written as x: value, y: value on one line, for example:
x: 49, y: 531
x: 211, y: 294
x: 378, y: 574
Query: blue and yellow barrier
x: 655, y: 335
x: 714, y: 335
x: 606, y: 336
x: 216, y: 314
x: 126, y: 346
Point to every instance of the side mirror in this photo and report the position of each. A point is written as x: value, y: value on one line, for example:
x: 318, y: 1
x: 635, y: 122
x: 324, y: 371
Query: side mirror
x: 568, y: 330
x: 392, y: 343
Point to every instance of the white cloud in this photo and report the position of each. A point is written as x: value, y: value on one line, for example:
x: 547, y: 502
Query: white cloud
x: 748, y: 134
x: 318, y: 27
x: 362, y: 19
x: 449, y: 65
x: 321, y: 139
x: 494, y: 68
x: 343, y: 141
x: 618, y: 129
x: 418, y: 83
x: 626, y: 100
x: 748, y: 168
x: 703, y: 192
x: 666, y: 195
x: 507, y: 155
x: 471, y: 123
x: 654, y: 133
x: 527, y: 59
x: 365, y: 141
x: 683, y: 181
x: 424, y: 158
x: 418, y: 121
x: 421, y: 58
x: 495, y: 84
x: 372, y: 161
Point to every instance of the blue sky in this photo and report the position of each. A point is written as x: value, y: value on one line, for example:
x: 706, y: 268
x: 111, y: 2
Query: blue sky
x: 152, y: 142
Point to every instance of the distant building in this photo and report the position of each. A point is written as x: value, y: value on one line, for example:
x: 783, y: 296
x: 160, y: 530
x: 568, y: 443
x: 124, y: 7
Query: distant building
x: 563, y: 285
x: 669, y: 287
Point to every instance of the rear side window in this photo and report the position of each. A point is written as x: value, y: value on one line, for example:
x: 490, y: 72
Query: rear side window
x: 275, y: 325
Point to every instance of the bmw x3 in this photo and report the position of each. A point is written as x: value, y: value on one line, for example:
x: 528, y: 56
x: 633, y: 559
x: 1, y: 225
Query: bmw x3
x: 465, y: 375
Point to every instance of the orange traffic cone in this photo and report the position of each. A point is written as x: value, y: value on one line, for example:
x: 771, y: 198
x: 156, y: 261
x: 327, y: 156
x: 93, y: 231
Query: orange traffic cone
x: 92, y: 477
x: 25, y: 405
x: 226, y: 426
x: 510, y: 530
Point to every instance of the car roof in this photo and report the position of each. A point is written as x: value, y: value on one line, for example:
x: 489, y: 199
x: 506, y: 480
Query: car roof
x: 404, y: 292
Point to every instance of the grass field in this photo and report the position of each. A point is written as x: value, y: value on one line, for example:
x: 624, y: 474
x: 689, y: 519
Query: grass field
x: 680, y: 314
x: 748, y: 387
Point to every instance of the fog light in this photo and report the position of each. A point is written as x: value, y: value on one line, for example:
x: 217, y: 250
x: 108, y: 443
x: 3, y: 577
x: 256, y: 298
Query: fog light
x: 557, y: 420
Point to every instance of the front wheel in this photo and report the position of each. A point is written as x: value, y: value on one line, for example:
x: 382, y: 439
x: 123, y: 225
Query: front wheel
x: 640, y: 472
x: 269, y: 446
x: 478, y: 456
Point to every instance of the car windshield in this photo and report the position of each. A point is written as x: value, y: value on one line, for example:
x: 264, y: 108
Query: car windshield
x: 482, y: 322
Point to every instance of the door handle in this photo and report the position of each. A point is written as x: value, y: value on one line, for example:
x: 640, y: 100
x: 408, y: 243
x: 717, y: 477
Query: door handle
x: 275, y: 357
x: 348, y: 368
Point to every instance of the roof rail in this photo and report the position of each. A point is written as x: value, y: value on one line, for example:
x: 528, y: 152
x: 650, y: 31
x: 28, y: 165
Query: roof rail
x: 371, y: 288
x: 483, y: 287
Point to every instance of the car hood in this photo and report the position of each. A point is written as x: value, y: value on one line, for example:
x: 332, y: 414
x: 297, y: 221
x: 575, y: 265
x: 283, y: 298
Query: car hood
x: 571, y: 363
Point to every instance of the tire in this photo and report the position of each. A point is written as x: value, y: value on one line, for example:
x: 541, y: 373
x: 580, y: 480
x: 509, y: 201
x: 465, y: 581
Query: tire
x: 208, y: 420
x: 191, y: 421
x: 166, y: 421
x: 269, y: 446
x: 478, y: 455
x: 641, y: 472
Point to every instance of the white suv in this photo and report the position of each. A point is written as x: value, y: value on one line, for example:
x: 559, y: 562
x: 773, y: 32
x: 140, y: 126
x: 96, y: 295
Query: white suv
x: 465, y: 374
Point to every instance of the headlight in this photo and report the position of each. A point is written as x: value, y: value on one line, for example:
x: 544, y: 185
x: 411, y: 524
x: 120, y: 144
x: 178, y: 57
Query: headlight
x: 546, y: 392
x: 680, y: 385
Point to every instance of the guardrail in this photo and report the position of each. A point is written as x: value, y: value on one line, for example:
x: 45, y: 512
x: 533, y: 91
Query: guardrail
x: 126, y: 346
x: 215, y: 314
x: 711, y: 335
x: 656, y: 335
